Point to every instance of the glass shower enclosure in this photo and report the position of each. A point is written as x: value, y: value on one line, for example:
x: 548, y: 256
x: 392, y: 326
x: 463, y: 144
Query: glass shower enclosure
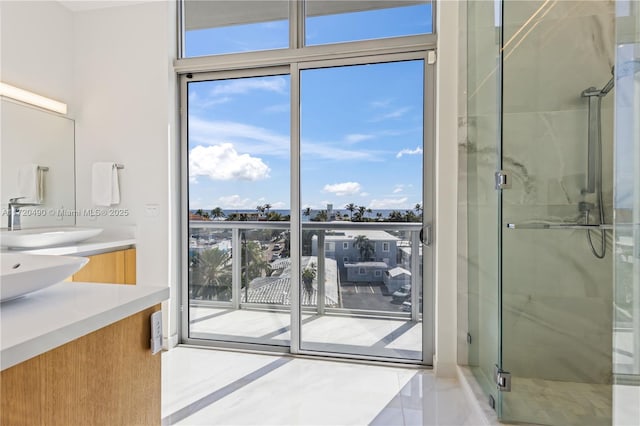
x: 540, y: 247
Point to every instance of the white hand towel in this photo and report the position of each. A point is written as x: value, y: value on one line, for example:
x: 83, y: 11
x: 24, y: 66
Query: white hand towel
x: 30, y: 184
x: 105, y: 189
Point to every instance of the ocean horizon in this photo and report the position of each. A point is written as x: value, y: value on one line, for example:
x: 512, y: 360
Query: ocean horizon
x: 284, y: 212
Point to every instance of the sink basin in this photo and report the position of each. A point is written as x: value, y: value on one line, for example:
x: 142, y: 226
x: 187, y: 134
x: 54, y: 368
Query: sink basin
x: 44, y: 237
x: 24, y: 273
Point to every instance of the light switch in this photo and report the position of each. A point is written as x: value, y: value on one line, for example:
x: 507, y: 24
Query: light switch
x: 156, y: 332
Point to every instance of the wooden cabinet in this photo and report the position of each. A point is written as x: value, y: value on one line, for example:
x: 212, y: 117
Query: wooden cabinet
x: 117, y: 267
x: 108, y: 377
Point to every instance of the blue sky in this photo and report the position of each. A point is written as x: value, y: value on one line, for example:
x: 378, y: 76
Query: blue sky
x: 361, y: 130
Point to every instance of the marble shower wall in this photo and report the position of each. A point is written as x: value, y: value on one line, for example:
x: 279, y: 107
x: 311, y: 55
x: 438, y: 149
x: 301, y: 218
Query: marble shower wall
x: 557, y: 294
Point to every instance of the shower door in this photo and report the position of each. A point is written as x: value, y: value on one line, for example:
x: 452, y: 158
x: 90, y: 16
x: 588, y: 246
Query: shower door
x: 555, y: 188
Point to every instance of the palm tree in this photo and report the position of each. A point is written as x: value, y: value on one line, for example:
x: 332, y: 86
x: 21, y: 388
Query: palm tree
x: 253, y: 263
x: 411, y: 217
x: 418, y: 208
x: 351, y: 207
x: 267, y: 207
x: 199, y: 212
x: 365, y: 246
x: 217, y: 213
x: 396, y: 216
x: 275, y: 217
x: 361, y: 211
x: 306, y: 211
x: 211, y: 274
x: 260, y: 210
x: 321, y: 216
x: 308, y: 275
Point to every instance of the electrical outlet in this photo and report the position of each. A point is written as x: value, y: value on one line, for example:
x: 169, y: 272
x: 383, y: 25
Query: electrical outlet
x: 151, y: 210
x: 156, y: 332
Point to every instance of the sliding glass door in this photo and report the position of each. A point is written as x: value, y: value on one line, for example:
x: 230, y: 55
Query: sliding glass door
x: 362, y: 128
x: 238, y: 206
x: 345, y: 267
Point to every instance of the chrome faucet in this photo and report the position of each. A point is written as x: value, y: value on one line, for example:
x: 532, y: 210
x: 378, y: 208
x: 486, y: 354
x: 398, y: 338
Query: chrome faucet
x: 14, y: 212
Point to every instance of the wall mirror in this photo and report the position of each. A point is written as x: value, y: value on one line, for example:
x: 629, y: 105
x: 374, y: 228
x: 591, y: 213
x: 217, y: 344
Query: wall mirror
x: 30, y: 135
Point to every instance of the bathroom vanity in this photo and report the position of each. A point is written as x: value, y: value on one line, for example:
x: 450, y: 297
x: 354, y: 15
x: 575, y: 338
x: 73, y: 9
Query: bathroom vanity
x: 79, y: 354
x: 114, y: 267
x: 112, y: 257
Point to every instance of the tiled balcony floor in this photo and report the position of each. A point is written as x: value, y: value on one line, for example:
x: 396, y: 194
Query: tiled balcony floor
x: 389, y: 337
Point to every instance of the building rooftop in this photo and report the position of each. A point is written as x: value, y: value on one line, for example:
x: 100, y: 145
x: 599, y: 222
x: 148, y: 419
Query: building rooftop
x: 277, y: 289
x: 373, y: 235
x: 370, y: 264
x: 397, y: 271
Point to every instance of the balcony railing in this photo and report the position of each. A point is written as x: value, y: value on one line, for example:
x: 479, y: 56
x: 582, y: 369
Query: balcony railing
x: 366, y: 269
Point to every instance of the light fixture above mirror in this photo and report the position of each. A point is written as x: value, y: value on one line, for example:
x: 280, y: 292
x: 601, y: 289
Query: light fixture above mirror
x: 31, y: 98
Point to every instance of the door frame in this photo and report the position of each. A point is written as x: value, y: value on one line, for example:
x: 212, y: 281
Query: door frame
x: 293, y: 69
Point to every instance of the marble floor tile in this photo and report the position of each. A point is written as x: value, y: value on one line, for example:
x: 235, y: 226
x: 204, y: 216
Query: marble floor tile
x: 213, y: 387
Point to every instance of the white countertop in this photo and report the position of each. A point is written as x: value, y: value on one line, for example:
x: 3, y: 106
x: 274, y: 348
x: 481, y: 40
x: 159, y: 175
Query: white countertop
x: 108, y: 240
x: 46, y: 319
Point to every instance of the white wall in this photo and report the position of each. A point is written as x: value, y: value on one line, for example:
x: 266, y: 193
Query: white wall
x: 113, y: 66
x: 36, y: 47
x: 124, y: 90
x: 446, y: 188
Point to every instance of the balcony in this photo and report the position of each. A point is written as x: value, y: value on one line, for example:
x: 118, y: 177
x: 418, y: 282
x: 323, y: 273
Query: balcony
x: 240, y: 285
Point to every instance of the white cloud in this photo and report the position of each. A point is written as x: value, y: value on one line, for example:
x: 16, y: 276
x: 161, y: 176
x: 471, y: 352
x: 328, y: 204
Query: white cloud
x: 328, y: 152
x: 381, y: 104
x: 278, y: 205
x: 398, y: 189
x: 397, y: 113
x: 223, y: 92
x: 358, y: 137
x: 344, y: 188
x: 408, y: 151
x: 196, y: 102
x: 244, y: 85
x: 236, y: 202
x: 261, y: 141
x: 244, y: 137
x: 222, y: 162
x: 388, y: 203
x: 277, y: 108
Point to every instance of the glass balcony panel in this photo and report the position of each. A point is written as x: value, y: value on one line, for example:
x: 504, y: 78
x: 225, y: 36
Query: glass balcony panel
x: 210, y: 274
x: 356, y: 289
x: 347, y: 306
x: 256, y: 303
